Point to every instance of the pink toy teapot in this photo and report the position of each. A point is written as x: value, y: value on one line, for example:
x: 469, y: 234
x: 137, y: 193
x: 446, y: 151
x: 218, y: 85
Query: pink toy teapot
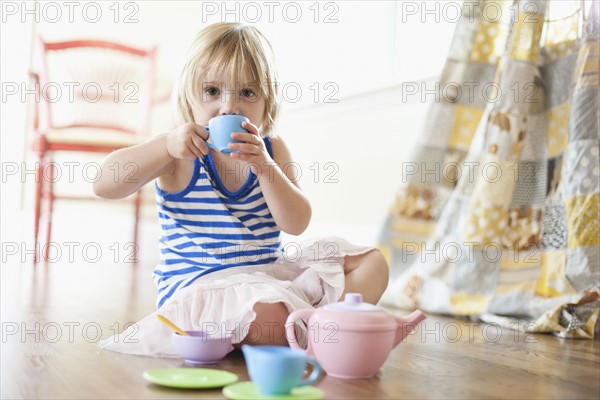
x: 351, y: 339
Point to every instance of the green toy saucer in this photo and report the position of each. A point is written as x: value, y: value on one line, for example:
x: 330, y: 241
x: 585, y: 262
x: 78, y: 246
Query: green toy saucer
x: 190, y: 378
x: 249, y: 391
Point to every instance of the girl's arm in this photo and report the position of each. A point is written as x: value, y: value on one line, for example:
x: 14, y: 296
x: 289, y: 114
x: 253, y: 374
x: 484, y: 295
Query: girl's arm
x: 287, y: 203
x: 126, y: 170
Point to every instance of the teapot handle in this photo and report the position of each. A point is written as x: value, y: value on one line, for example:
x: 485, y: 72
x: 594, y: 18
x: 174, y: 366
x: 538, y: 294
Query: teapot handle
x: 291, y: 331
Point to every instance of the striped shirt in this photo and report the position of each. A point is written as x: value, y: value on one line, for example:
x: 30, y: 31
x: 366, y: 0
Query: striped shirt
x: 206, y: 228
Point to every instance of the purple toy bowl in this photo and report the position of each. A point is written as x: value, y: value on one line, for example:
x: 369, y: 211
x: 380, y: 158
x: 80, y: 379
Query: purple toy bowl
x: 201, y: 347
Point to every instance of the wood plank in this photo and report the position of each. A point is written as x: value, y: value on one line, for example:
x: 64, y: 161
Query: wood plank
x: 446, y: 358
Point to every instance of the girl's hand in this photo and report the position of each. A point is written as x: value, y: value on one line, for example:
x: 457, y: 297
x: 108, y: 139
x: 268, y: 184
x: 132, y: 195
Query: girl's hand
x: 187, y: 142
x: 252, y: 150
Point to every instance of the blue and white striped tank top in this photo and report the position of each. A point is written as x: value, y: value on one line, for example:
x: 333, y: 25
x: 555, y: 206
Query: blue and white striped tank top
x: 206, y: 228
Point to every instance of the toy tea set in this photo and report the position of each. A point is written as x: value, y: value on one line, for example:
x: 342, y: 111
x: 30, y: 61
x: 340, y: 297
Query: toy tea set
x: 349, y: 339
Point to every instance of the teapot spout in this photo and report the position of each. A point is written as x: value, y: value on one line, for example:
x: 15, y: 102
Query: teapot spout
x: 407, y: 324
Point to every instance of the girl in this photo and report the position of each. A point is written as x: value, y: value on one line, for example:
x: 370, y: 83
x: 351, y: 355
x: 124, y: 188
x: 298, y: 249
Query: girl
x: 222, y: 265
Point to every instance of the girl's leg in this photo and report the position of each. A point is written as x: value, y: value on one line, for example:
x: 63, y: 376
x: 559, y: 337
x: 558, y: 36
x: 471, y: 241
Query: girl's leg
x: 269, y: 325
x: 367, y: 274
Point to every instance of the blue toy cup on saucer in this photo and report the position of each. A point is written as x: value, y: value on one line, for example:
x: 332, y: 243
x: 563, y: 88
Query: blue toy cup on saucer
x: 276, y: 370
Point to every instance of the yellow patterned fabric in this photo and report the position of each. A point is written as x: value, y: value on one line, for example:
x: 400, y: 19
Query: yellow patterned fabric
x: 464, y: 125
x: 487, y: 48
x: 511, y: 225
x: 557, y: 135
x: 582, y: 221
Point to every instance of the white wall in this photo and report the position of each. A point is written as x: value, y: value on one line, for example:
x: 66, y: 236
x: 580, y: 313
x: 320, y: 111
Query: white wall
x: 357, y: 146
x: 363, y: 54
x: 15, y: 39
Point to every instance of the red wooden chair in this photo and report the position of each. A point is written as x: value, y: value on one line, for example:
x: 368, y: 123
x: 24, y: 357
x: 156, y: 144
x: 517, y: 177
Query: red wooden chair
x: 94, y: 96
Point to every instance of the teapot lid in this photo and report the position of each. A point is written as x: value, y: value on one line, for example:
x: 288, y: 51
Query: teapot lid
x: 352, y: 302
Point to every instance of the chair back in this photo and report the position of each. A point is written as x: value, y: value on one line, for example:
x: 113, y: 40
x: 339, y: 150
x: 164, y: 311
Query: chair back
x: 96, y: 84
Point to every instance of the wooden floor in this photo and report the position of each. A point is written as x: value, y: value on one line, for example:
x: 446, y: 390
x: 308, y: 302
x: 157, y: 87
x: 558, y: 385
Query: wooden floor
x: 53, y: 318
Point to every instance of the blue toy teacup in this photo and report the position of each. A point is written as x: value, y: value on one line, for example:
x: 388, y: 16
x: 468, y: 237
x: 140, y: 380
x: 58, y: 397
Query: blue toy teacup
x: 220, y: 129
x: 276, y: 370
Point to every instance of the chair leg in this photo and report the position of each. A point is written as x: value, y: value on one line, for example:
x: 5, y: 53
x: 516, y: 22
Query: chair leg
x: 39, y: 193
x: 50, y: 210
x: 136, y: 247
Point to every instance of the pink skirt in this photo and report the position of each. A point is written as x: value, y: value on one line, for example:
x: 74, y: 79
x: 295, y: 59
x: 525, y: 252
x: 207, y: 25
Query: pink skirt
x: 309, y: 275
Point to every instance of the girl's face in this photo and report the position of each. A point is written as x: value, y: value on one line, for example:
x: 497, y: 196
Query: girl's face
x: 224, y: 96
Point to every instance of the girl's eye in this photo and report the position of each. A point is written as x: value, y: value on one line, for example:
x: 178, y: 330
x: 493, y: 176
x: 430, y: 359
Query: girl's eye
x: 249, y: 93
x: 211, y: 91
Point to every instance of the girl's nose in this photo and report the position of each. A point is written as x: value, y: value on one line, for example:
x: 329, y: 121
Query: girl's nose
x: 229, y: 104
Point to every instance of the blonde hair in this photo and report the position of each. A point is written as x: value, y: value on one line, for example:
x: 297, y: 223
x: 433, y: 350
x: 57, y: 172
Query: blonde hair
x: 230, y: 50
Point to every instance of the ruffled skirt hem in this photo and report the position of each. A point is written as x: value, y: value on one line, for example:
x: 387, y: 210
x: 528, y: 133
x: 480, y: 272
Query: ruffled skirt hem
x: 308, y: 275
